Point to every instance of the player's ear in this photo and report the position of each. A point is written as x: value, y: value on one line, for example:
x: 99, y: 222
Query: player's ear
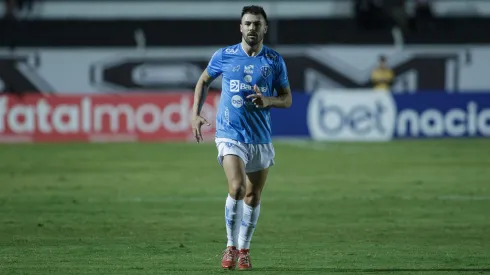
x: 265, y: 29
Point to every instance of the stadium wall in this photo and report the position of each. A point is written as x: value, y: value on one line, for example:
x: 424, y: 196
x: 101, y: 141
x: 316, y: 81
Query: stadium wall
x: 125, y: 70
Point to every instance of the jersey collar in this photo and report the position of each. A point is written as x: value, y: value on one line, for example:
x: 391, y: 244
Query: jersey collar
x: 245, y: 53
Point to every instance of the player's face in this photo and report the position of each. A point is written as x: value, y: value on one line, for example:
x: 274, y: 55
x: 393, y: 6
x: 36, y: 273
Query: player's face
x: 253, y: 28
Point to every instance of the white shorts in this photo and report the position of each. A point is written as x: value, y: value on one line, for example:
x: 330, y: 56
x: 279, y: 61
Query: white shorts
x: 255, y: 156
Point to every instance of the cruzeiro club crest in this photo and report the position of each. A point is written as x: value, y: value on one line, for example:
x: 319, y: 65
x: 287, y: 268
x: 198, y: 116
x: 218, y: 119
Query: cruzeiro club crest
x: 265, y: 71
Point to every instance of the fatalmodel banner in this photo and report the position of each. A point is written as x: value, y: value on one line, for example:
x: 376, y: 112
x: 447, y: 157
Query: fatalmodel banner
x: 142, y: 117
x: 116, y: 70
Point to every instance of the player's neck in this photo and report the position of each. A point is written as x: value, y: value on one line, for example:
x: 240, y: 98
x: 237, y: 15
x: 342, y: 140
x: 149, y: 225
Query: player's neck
x: 251, y: 51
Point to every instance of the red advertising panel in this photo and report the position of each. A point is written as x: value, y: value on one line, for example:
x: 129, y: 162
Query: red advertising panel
x: 92, y: 118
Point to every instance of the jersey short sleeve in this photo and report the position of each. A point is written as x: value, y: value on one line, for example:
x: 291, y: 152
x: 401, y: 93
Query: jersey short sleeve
x: 215, y: 65
x: 281, y: 77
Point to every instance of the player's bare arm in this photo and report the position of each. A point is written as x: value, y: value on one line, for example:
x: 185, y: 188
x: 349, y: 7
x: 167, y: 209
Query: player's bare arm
x: 282, y: 100
x: 200, y: 94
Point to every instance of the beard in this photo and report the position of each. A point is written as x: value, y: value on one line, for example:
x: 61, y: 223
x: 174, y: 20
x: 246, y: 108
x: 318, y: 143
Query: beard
x: 253, y: 41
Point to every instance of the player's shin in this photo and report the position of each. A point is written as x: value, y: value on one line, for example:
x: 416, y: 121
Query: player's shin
x: 247, y: 228
x: 233, y: 217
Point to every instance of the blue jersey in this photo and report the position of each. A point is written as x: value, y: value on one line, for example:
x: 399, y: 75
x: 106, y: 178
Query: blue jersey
x: 237, y: 116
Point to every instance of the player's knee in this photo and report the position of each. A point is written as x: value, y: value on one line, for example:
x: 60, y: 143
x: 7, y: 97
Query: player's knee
x: 236, y: 189
x: 252, y: 198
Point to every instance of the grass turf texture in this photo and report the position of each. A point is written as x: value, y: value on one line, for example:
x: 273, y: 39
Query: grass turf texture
x: 407, y: 207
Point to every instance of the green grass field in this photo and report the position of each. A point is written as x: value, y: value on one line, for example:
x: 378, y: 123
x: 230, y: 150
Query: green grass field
x: 407, y: 207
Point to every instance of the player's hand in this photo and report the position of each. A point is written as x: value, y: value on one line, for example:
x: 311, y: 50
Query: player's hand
x: 197, y: 122
x: 258, y: 99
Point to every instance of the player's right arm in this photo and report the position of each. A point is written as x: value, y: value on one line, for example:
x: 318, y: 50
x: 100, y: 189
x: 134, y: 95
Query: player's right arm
x: 200, y: 93
x: 202, y: 86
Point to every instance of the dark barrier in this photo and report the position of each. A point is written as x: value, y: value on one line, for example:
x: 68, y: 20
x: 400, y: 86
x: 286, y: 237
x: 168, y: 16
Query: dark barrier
x: 120, y: 33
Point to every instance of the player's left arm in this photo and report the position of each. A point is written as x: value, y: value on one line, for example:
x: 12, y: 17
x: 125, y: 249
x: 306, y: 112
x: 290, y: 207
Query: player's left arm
x: 280, y: 83
x: 283, y: 99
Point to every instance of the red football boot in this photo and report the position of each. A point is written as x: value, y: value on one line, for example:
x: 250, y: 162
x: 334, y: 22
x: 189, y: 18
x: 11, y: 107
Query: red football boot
x: 229, y: 258
x: 244, y: 262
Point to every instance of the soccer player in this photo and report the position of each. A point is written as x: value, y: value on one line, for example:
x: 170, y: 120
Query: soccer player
x: 251, y: 72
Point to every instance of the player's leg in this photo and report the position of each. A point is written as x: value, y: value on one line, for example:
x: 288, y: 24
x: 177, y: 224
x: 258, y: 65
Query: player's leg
x: 251, y: 211
x: 234, y: 168
x: 261, y: 159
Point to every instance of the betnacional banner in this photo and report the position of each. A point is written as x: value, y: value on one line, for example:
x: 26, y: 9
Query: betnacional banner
x: 367, y: 115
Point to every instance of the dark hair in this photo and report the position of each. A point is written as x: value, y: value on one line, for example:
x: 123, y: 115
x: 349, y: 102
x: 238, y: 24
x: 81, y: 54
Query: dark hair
x: 256, y: 10
x: 382, y: 58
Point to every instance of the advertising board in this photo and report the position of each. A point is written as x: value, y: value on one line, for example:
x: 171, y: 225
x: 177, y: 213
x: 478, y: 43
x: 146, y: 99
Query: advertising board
x: 326, y: 115
x: 368, y: 115
x: 141, y: 117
